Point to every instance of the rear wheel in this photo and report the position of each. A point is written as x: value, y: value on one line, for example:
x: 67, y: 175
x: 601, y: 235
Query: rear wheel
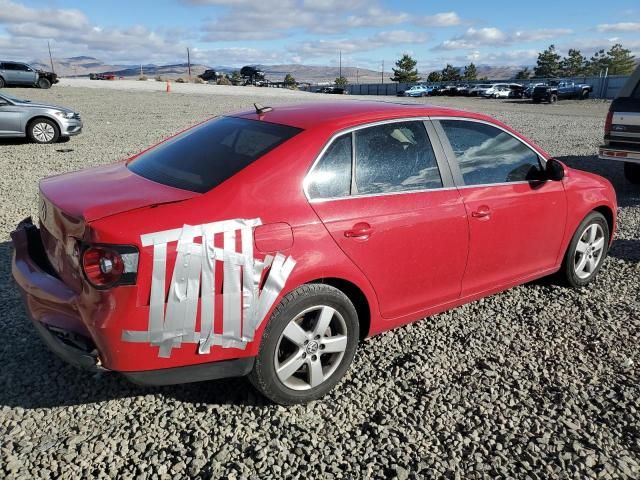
x: 43, y: 130
x: 2, y: 84
x: 632, y: 172
x: 584, y: 95
x: 44, y: 83
x: 553, y: 98
x: 587, y: 250
x: 307, y: 346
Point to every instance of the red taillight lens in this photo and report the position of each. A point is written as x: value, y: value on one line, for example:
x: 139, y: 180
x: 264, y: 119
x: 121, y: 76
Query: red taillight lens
x: 607, y: 123
x: 102, y: 266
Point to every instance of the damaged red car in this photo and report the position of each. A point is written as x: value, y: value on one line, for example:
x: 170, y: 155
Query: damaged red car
x: 269, y: 243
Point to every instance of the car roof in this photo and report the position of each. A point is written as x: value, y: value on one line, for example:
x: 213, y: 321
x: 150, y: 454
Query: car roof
x: 347, y: 113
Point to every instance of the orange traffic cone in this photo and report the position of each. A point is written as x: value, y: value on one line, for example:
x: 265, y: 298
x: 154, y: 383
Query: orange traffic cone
x: 168, y: 87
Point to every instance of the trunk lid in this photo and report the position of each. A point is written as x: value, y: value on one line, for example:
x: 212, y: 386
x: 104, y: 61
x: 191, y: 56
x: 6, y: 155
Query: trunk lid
x: 69, y: 202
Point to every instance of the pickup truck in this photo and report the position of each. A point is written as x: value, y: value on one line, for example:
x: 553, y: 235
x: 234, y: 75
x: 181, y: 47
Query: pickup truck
x: 622, y: 129
x: 556, y: 90
x: 22, y: 74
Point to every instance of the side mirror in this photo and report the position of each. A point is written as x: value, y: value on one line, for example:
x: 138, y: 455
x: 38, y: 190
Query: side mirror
x: 554, y: 170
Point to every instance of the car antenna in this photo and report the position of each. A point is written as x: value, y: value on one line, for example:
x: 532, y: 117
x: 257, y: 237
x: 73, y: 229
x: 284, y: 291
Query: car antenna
x: 260, y: 109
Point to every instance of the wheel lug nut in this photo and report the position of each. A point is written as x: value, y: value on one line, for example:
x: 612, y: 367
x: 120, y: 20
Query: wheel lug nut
x: 317, y: 337
x: 304, y: 355
x: 314, y: 358
x: 321, y: 347
x: 306, y: 341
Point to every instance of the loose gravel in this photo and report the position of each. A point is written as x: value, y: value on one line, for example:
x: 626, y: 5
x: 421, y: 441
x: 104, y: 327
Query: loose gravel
x: 537, y: 382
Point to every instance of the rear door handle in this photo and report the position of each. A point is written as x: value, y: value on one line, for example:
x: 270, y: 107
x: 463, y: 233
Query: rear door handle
x: 482, y: 212
x: 359, y: 230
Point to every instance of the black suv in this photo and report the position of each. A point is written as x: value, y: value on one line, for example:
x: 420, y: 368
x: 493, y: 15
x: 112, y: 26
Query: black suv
x: 622, y: 129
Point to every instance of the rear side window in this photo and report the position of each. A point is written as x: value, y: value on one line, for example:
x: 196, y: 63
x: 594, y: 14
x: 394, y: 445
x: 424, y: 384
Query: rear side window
x: 207, y: 155
x: 489, y: 155
x: 331, y: 176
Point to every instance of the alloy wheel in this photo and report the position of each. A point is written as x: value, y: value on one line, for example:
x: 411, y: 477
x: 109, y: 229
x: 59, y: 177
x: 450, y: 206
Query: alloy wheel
x: 589, y: 251
x: 43, y: 132
x: 310, y: 348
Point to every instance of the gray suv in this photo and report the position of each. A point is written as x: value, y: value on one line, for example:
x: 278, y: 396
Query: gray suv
x: 21, y: 74
x: 39, y: 122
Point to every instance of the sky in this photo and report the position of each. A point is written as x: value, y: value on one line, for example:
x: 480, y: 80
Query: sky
x: 312, y: 32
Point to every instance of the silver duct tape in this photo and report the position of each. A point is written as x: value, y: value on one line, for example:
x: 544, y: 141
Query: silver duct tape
x: 244, y: 304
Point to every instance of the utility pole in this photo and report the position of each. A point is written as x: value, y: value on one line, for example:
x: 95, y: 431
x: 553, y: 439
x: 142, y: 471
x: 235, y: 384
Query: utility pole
x: 141, y: 72
x: 382, y: 72
x: 50, y: 57
x: 340, y: 70
x: 357, y: 78
x: 189, y: 63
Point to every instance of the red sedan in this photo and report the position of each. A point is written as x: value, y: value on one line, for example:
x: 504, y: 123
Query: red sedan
x: 271, y: 242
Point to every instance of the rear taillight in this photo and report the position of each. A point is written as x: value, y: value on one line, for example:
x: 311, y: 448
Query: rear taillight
x: 106, y: 266
x: 607, y: 123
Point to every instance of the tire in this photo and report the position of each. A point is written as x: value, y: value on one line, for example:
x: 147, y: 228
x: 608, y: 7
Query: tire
x: 44, y: 83
x: 592, y: 235
x: 43, y: 130
x: 584, y: 95
x: 632, y: 172
x: 299, y: 313
x: 553, y: 98
x: 2, y: 83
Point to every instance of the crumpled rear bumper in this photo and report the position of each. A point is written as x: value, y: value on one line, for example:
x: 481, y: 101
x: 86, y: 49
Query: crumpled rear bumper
x: 50, y: 304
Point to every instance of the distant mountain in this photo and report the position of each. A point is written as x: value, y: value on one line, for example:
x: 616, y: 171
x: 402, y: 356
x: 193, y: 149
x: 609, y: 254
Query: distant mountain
x: 84, y: 65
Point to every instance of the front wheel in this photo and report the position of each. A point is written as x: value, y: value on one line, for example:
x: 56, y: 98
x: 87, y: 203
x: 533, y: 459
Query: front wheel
x: 553, y: 98
x: 587, y: 250
x: 584, y: 95
x: 2, y: 82
x: 632, y: 172
x: 44, y: 83
x: 307, y: 346
x: 43, y: 130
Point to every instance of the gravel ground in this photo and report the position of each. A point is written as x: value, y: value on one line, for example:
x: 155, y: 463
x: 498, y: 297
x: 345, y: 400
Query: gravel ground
x: 537, y: 382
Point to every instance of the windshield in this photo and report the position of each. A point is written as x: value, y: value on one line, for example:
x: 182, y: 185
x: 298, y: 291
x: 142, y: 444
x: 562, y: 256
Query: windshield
x: 207, y: 155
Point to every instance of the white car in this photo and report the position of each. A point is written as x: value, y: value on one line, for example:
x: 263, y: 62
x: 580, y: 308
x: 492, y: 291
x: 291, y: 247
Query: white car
x: 478, y: 90
x: 502, y: 92
x: 490, y: 92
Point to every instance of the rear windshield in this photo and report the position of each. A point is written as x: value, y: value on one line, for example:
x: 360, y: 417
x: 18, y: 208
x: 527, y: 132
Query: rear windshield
x: 207, y: 155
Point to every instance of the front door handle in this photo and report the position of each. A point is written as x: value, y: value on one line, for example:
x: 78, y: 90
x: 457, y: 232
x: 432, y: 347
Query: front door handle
x: 482, y: 212
x: 359, y: 230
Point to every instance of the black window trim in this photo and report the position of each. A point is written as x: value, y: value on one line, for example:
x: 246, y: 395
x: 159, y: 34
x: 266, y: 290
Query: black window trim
x: 453, y: 161
x: 438, y: 150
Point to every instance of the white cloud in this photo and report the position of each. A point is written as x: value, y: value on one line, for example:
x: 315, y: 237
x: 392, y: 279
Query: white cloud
x: 12, y: 12
x: 492, y: 36
x: 445, y: 19
x: 619, y: 27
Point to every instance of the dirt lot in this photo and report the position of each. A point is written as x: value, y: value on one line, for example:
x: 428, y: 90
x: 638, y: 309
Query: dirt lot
x: 540, y: 380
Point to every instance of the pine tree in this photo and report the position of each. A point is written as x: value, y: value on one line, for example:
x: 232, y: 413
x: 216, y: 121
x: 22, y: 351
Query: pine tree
x: 406, y: 71
x: 548, y: 64
x: 289, y: 81
x: 341, y: 82
x: 470, y: 72
x: 236, y: 78
x: 523, y: 74
x: 434, y: 77
x: 598, y: 63
x: 621, y: 62
x: 573, y: 64
x: 450, y: 73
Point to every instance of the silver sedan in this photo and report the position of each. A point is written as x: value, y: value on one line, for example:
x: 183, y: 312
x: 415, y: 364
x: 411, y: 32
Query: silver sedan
x: 39, y: 122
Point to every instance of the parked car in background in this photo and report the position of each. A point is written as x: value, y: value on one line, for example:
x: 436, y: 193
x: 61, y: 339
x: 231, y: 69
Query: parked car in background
x: 39, y: 122
x: 17, y: 74
x: 102, y: 76
x: 449, y: 90
x: 493, y: 89
x: 478, y: 90
x: 502, y: 92
x: 418, y: 91
x: 171, y: 271
x: 463, y: 90
x: 622, y: 129
x: 556, y: 90
x: 336, y: 90
x: 528, y: 91
x: 517, y: 90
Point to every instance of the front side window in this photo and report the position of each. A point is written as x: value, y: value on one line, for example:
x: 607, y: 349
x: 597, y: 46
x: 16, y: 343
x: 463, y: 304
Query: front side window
x: 207, y: 155
x: 487, y: 154
x: 395, y: 157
